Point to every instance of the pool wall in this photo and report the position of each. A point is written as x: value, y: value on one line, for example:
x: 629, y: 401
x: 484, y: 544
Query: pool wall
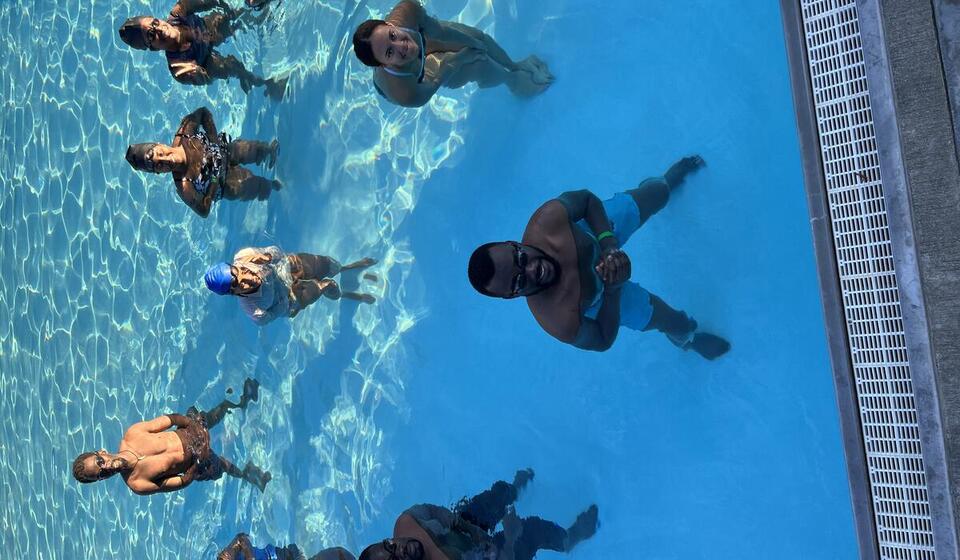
x: 893, y: 363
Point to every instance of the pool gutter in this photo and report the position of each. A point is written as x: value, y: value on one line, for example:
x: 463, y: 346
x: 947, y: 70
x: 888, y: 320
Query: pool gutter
x: 910, y: 48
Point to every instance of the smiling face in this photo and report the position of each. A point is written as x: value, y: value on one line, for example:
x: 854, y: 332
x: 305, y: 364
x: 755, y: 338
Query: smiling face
x: 158, y: 34
x: 393, y: 46
x: 520, y: 270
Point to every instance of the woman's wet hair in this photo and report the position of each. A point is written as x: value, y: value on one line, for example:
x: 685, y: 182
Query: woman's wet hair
x: 137, y: 156
x: 361, y: 42
x: 131, y: 33
x: 80, y: 470
x: 481, y: 268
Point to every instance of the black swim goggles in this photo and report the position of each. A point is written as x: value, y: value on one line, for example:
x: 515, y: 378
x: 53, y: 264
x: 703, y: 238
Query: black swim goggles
x: 520, y: 261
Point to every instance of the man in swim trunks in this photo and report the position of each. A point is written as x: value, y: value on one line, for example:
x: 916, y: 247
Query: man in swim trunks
x: 189, y: 40
x: 206, y: 165
x: 152, y: 459
x: 272, y: 284
x: 414, y: 54
x: 570, y: 268
x: 241, y: 549
x: 468, y: 532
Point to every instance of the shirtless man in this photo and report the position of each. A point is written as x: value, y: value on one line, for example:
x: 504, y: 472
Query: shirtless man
x: 206, y: 166
x: 152, y: 459
x: 241, y: 549
x: 414, y: 54
x: 429, y: 532
x: 272, y: 284
x: 189, y: 40
x: 570, y: 268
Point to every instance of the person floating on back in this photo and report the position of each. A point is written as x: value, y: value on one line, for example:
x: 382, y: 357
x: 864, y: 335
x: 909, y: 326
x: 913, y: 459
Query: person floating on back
x: 152, y: 459
x: 429, y: 532
x: 574, y: 276
x: 240, y: 548
x: 272, y: 284
x: 415, y: 54
x: 189, y: 40
x: 206, y: 166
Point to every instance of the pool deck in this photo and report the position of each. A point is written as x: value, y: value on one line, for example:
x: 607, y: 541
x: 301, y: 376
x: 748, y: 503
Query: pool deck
x: 912, y: 53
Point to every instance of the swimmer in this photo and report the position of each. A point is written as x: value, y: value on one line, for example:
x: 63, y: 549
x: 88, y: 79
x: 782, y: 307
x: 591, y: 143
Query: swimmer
x: 414, y: 54
x: 429, y: 532
x: 241, y: 549
x: 206, y: 166
x: 189, y: 40
x: 272, y: 284
x: 574, y: 276
x: 152, y: 459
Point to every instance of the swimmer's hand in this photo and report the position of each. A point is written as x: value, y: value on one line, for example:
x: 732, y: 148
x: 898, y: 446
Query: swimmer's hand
x: 261, y: 258
x: 614, y: 268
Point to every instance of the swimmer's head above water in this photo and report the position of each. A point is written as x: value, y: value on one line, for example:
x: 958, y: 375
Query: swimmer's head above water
x: 98, y: 465
x: 400, y: 548
x: 226, y: 279
x: 149, y: 33
x: 508, y: 269
x: 379, y: 43
x: 150, y: 157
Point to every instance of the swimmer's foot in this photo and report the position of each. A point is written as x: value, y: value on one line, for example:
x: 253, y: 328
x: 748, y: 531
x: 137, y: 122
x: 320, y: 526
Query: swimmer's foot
x: 710, y: 346
x: 276, y: 185
x: 329, y: 288
x: 522, y: 478
x: 371, y: 277
x: 274, y: 151
x: 251, y: 392
x: 362, y: 298
x: 257, y: 4
x: 362, y: 263
x: 245, y: 84
x: 542, y: 68
x: 679, y: 170
x: 583, y: 528
x: 275, y: 88
x: 256, y: 476
x: 522, y: 84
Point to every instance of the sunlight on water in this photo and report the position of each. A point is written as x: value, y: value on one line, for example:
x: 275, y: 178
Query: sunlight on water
x: 100, y: 300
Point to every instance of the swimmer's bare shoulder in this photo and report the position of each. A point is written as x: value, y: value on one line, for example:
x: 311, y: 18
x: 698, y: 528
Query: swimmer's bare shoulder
x: 556, y: 310
x: 408, y: 13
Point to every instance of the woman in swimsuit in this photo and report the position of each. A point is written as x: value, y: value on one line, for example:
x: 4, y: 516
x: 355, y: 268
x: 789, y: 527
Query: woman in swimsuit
x: 414, y: 54
x: 152, y: 459
x: 189, y: 42
x: 206, y: 165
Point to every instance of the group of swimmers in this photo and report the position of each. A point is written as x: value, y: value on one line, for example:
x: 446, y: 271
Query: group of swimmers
x: 568, y: 265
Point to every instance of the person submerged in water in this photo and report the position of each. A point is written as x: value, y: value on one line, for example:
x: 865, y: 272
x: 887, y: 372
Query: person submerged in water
x: 414, y: 54
x: 574, y: 276
x: 272, y: 284
x: 429, y: 532
x: 152, y: 459
x: 206, y: 166
x: 189, y: 40
x: 240, y: 548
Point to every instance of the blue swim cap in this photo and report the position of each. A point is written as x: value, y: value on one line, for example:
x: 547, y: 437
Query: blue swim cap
x: 219, y: 278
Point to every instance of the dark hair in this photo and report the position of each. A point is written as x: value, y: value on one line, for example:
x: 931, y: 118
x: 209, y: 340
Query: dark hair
x: 79, y: 468
x: 481, y: 269
x: 132, y: 34
x: 367, y: 553
x: 137, y: 156
x: 361, y: 42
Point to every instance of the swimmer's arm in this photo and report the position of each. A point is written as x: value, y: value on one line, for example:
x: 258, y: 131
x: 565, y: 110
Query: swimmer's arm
x: 178, y: 420
x: 599, y: 334
x: 409, y: 93
x: 200, y: 204
x: 336, y: 553
x: 409, y: 13
x: 187, y: 7
x: 143, y: 487
x: 202, y: 117
x: 584, y: 205
x: 190, y: 73
x: 157, y: 425
x: 173, y: 483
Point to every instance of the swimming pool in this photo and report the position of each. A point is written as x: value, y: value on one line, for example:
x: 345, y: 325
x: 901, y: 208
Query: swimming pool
x: 435, y: 392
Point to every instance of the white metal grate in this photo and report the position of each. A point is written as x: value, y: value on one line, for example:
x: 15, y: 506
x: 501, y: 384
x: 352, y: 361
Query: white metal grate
x: 871, y: 299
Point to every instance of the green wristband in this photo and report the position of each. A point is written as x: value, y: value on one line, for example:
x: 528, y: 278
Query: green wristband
x: 604, y: 234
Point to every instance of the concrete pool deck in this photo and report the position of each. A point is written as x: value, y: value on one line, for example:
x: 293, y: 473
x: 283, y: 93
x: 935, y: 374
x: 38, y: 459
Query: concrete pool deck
x: 911, y: 54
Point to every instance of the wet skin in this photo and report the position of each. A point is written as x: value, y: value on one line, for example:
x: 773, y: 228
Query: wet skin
x: 396, y: 48
x: 521, y: 270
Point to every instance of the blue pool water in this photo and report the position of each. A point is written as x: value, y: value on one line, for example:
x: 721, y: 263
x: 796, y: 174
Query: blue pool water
x: 435, y: 392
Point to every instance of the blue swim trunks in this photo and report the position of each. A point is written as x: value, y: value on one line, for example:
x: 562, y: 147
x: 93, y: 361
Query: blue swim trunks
x: 635, y: 307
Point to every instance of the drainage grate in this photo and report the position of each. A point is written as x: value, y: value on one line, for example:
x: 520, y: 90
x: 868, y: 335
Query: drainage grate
x: 871, y: 300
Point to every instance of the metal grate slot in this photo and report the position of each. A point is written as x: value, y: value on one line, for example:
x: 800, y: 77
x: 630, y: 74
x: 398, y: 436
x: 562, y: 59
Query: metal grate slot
x: 868, y: 281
